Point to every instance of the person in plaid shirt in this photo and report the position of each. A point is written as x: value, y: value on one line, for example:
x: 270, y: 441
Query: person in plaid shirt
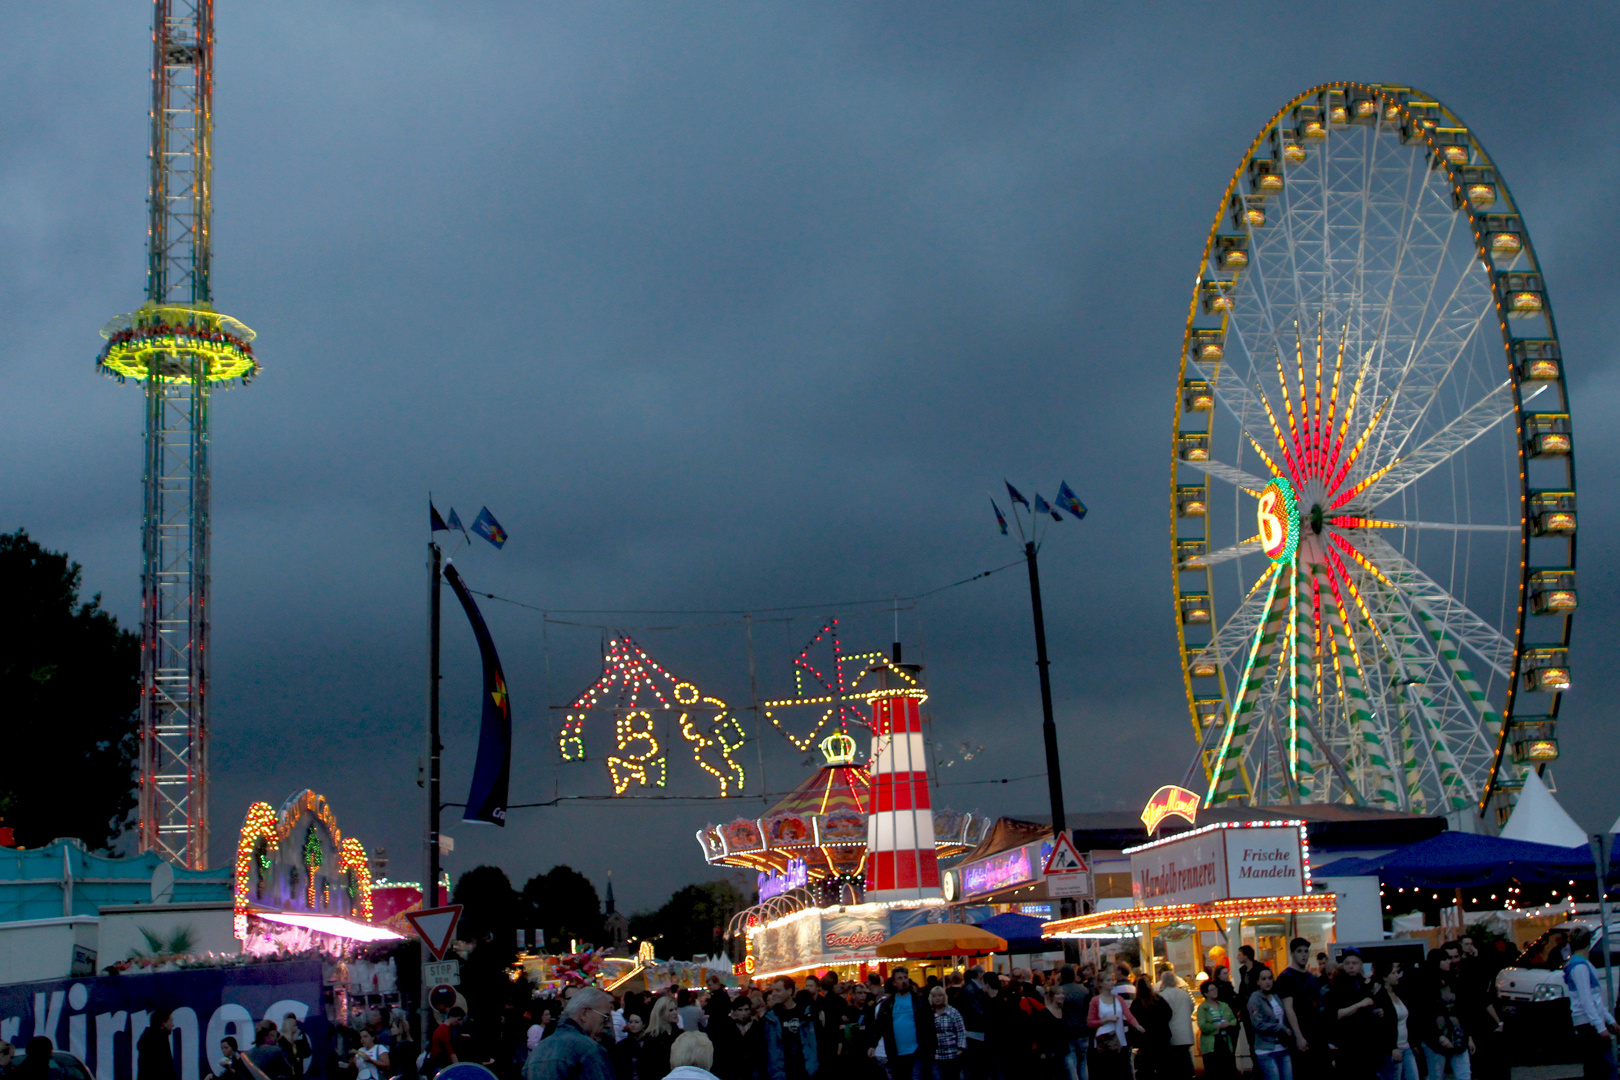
x: 950, y: 1036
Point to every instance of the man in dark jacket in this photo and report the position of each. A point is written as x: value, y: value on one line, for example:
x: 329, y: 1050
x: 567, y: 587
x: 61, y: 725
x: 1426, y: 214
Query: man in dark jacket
x: 155, y: 1050
x: 739, y: 1043
x: 1076, y: 1006
x: 905, y: 1023
x: 974, y: 1005
x: 790, y: 1035
x: 1356, y: 1020
x: 572, y: 1052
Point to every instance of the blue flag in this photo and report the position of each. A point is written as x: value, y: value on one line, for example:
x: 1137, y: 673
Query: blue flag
x: 455, y: 523
x: 435, y: 522
x: 492, y: 772
x: 1041, y: 507
x: 486, y: 526
x: 1068, y: 500
x: 999, y: 519
x: 1012, y: 493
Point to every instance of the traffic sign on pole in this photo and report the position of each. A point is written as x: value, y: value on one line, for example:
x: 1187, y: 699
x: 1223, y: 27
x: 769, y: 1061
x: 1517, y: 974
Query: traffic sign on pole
x: 1064, y: 859
x: 435, y: 926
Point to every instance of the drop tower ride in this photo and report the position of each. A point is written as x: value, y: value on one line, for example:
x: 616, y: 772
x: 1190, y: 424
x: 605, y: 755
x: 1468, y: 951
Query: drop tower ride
x: 179, y: 349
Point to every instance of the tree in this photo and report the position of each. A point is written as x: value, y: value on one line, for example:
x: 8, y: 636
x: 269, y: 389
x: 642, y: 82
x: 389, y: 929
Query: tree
x: 491, y: 910
x: 692, y: 921
x: 70, y: 679
x: 563, y: 902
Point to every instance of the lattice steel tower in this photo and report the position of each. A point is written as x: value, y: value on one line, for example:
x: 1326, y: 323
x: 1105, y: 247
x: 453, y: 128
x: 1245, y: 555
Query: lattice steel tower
x: 179, y: 347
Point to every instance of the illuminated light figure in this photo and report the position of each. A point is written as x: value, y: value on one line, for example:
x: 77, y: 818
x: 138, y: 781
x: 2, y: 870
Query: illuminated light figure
x: 901, y: 863
x: 631, y: 685
x: 181, y: 349
x: 827, y: 692
x: 713, y: 739
x: 1341, y: 646
x: 648, y: 768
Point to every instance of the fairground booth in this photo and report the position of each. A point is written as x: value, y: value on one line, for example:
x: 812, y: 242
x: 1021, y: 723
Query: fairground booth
x: 1199, y: 894
x: 1188, y: 886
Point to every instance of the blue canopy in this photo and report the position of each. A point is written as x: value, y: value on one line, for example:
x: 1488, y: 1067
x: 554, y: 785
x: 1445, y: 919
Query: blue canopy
x: 1467, y: 860
x: 1023, y: 932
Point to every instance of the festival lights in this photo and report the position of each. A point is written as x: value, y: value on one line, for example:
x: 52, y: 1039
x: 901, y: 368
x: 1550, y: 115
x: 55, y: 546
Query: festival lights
x: 312, y: 862
x: 648, y: 768
x: 262, y: 838
x: 1137, y: 917
x: 830, y: 688
x: 640, y: 685
x: 352, y: 861
x: 724, y: 735
x: 254, y: 843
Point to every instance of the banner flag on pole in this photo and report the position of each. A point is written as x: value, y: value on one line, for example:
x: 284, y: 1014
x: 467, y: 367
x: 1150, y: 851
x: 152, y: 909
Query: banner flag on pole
x: 492, y: 773
x: 1068, y: 500
x: 455, y: 523
x: 1041, y: 507
x: 1012, y: 493
x: 486, y: 526
x: 999, y: 519
x: 435, y: 522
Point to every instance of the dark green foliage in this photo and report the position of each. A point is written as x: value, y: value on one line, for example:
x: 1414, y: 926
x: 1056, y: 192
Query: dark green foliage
x: 489, y: 919
x: 70, y: 679
x: 692, y: 921
x: 564, y: 904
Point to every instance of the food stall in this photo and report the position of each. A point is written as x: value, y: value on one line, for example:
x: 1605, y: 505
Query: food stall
x: 1199, y: 895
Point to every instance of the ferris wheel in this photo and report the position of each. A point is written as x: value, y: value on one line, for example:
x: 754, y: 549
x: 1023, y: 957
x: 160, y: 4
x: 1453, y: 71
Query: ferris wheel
x: 1373, y: 479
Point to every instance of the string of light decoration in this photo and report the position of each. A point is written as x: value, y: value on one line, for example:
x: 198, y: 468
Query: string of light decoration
x: 638, y: 687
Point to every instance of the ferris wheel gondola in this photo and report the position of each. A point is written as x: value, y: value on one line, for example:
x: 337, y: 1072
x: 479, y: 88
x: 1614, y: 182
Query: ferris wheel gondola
x: 1372, y: 478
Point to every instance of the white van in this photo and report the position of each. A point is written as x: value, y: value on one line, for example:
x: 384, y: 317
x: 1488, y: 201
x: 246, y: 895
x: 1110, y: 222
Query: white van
x: 1537, y: 973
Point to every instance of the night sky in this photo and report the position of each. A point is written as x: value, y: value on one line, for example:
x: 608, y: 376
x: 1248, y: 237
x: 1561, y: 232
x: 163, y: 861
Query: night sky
x: 719, y: 308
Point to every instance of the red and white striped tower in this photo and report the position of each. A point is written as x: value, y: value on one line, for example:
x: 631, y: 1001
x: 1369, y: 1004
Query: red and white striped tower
x: 900, y: 859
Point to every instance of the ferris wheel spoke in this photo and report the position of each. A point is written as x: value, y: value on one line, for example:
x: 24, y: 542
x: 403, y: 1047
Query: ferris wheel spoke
x: 1418, y: 671
x: 1231, y: 474
x: 1452, y: 526
x: 1366, y: 738
x: 1464, y: 726
x: 1248, y: 547
x: 1492, y: 409
x: 1241, y: 398
x: 1226, y: 771
x: 1451, y: 614
x: 1436, y: 346
x: 1236, y: 632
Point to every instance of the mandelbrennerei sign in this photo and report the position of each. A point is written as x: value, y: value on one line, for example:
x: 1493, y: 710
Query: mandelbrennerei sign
x: 1220, y: 864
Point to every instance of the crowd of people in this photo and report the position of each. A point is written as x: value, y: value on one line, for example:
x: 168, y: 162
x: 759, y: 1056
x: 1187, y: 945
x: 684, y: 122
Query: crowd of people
x: 1316, y: 1019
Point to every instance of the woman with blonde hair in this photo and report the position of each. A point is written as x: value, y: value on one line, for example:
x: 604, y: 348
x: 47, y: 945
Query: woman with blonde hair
x: 662, y: 1027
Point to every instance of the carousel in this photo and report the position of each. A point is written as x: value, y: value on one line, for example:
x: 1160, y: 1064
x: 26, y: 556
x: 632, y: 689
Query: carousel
x: 816, y: 838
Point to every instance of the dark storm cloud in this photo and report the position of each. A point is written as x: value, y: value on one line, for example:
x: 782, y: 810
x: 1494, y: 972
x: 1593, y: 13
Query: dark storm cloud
x: 716, y: 306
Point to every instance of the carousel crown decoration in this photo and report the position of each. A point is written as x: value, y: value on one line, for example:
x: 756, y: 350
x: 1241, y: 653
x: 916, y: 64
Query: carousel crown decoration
x: 839, y: 749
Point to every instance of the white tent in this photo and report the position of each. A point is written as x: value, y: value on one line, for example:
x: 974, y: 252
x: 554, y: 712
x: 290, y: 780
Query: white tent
x: 1539, y: 819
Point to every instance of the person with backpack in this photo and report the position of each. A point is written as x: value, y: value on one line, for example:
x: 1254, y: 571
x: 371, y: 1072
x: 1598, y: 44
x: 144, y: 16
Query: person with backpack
x: 1588, y: 1009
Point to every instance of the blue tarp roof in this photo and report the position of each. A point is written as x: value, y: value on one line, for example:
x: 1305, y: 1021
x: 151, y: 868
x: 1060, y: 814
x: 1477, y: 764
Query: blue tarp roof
x: 1466, y: 860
